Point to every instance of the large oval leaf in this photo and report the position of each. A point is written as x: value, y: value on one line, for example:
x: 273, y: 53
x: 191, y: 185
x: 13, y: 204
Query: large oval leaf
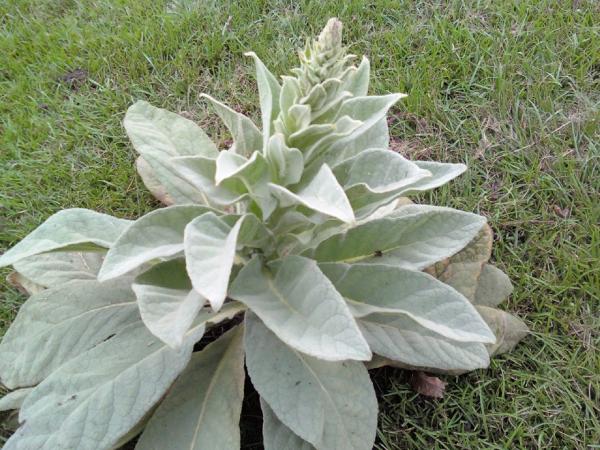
x: 177, y: 187
x: 56, y: 268
x: 161, y: 133
x: 200, y: 172
x: 158, y: 234
x: 70, y: 229
x: 400, y: 338
x: 332, y: 405
x: 122, y: 378
x: 202, y: 409
x: 152, y: 182
x: 374, y: 288
x: 93, y: 400
x: 378, y: 171
x: 60, y: 323
x: 301, y: 306
x: 414, y: 238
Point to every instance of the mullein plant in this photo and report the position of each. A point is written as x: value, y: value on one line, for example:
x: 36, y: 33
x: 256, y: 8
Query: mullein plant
x: 301, y: 232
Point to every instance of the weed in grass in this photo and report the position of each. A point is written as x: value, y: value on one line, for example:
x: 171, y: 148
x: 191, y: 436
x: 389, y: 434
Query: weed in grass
x: 509, y: 87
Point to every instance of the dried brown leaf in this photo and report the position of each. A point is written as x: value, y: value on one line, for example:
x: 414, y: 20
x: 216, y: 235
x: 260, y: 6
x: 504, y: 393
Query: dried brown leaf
x: 427, y: 385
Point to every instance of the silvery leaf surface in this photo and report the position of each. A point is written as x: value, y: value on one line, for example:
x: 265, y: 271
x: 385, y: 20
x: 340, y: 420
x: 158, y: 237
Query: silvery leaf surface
x: 269, y: 92
x: 277, y: 436
x: 58, y: 324
x: 413, y: 239
x: 14, y: 400
x: 176, y: 186
x: 301, y: 306
x: 158, y: 234
x: 400, y: 338
x: 70, y: 229
x: 331, y: 405
x: 372, y: 288
x: 55, y: 268
x: 152, y: 182
x: 287, y: 163
x: 378, y: 171
x: 168, y: 304
x: 92, y: 401
x: 254, y: 173
x: 161, y: 133
x: 200, y: 172
x: 322, y: 193
x: 358, y: 82
x: 372, y: 135
x: 202, y: 409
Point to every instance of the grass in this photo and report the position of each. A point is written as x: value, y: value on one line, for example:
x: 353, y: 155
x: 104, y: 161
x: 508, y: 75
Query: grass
x: 510, y: 87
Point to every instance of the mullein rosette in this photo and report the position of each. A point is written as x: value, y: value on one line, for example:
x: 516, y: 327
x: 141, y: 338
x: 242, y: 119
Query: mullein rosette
x: 302, y: 232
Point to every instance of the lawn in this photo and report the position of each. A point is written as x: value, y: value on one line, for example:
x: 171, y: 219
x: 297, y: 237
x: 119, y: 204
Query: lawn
x: 512, y: 88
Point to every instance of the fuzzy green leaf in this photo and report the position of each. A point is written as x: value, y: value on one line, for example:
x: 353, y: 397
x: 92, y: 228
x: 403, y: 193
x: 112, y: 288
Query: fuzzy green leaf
x: 200, y: 172
x: 92, y: 401
x: 177, y: 187
x: 268, y: 91
x: 287, y: 163
x: 168, y: 304
x: 70, y: 229
x: 302, y: 308
x: 55, y: 268
x: 371, y: 135
x: 152, y: 182
x: 441, y: 173
x: 202, y: 409
x: 161, y: 133
x: 332, y: 405
x: 276, y: 436
x: 400, y: 338
x: 14, y: 399
x: 60, y: 323
x: 378, y: 171
x: 358, y: 83
x: 414, y: 240
x: 322, y: 193
x: 254, y: 173
x: 210, y: 244
x: 373, y: 288
x: 158, y: 234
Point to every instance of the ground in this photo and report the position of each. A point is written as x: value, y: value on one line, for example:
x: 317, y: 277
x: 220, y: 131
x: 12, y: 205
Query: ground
x: 512, y: 88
